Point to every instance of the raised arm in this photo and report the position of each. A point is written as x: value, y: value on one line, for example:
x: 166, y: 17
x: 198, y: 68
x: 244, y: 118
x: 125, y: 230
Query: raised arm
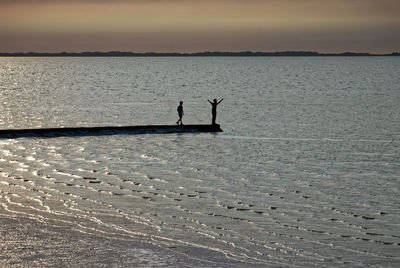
x: 210, y: 102
x: 220, y: 101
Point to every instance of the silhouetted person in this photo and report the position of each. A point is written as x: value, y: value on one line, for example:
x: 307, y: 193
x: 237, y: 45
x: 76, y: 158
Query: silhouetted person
x: 214, y: 109
x: 180, y: 113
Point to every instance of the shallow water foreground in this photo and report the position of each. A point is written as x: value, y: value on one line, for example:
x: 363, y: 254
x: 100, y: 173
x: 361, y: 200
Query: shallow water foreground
x: 30, y: 243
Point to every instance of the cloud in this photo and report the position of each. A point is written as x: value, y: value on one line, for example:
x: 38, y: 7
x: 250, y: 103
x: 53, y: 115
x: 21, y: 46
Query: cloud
x: 211, y: 24
x: 64, y: 1
x: 77, y: 1
x: 127, y: 1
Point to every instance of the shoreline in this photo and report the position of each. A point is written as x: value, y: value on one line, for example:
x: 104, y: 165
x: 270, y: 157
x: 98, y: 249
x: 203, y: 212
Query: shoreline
x: 195, y: 54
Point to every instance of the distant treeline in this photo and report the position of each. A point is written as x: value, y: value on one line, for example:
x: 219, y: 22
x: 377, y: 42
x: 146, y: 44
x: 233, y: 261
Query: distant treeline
x: 197, y: 54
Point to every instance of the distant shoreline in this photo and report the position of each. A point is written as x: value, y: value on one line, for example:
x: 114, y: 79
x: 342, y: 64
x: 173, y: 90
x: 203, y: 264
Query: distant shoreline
x: 197, y: 54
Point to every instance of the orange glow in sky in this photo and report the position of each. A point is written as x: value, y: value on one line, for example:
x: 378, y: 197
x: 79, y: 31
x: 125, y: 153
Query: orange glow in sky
x: 206, y: 25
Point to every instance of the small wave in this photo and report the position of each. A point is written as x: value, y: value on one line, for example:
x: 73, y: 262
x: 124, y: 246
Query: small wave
x: 30, y: 158
x: 6, y: 152
x: 301, y: 139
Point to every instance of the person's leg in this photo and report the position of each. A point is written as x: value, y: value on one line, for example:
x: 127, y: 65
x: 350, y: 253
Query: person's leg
x: 179, y: 120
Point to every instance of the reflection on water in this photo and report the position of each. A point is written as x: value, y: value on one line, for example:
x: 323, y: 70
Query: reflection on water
x: 305, y: 174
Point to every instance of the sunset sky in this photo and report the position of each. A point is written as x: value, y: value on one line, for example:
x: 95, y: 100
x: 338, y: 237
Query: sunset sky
x: 199, y: 25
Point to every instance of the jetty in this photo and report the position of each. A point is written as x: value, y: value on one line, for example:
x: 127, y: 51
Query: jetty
x: 106, y: 130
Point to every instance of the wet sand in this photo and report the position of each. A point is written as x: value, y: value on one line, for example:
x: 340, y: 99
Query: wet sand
x: 26, y: 242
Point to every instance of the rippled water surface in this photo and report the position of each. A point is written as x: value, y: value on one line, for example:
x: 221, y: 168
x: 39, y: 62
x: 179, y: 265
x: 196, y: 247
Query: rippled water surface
x: 306, y: 172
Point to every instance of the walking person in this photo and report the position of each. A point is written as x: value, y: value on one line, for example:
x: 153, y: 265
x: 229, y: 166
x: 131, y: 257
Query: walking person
x: 214, y: 109
x: 180, y: 113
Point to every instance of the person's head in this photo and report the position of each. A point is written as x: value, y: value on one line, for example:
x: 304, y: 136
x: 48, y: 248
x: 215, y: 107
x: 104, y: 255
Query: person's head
x: 215, y: 100
x: 181, y: 102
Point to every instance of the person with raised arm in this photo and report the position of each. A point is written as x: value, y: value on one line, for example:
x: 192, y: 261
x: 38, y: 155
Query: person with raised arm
x: 214, y: 109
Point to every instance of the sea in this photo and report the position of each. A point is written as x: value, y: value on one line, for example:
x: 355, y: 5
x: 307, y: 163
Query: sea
x: 306, y: 172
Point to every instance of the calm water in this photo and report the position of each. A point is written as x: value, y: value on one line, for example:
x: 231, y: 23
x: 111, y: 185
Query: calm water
x: 306, y: 172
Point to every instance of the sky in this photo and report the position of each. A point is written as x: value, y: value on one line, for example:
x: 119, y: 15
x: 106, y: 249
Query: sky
x: 200, y: 25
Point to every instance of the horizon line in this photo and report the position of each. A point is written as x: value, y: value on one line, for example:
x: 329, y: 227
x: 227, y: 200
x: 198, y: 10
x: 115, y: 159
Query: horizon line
x: 203, y: 53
